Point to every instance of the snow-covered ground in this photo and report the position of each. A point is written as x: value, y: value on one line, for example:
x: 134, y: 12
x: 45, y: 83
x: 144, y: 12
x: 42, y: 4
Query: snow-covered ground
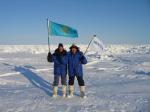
x: 118, y: 82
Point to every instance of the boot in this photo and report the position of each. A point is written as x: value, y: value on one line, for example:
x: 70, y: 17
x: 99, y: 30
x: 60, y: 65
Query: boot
x: 55, y: 89
x: 63, y: 91
x: 71, y: 91
x: 82, y: 92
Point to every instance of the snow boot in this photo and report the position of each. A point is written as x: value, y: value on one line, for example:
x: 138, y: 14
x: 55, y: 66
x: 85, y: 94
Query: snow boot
x: 55, y: 89
x: 82, y: 92
x: 63, y: 91
x: 71, y: 91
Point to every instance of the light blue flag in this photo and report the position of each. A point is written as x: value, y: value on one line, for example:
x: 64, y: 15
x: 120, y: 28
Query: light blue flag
x: 56, y: 29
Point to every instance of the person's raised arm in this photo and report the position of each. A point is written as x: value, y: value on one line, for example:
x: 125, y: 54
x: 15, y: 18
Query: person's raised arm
x: 83, y: 58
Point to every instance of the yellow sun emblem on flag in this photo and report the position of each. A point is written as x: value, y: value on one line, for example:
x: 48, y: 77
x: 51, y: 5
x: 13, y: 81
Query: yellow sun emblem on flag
x: 65, y: 29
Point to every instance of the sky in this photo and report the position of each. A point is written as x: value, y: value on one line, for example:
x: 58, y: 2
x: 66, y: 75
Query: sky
x: 113, y: 21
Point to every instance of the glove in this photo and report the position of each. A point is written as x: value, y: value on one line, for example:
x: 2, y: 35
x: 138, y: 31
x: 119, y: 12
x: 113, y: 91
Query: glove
x: 82, y: 56
x: 49, y: 57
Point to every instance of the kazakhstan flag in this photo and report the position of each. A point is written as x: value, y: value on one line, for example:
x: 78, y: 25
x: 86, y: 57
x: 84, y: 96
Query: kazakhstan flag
x: 56, y: 29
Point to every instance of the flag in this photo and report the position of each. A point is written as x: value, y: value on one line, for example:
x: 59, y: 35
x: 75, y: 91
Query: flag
x: 97, y: 46
x: 56, y: 29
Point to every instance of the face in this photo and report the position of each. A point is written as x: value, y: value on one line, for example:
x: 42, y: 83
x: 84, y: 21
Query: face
x: 73, y: 50
x: 61, y: 49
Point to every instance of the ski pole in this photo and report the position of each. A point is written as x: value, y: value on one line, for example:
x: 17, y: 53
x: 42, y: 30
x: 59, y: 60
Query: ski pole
x: 89, y: 44
x: 48, y: 34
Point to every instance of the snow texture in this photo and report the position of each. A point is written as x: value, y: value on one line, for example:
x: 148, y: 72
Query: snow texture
x: 116, y: 81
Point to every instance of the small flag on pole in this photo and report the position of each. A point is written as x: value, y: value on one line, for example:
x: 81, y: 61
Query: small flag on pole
x: 56, y: 29
x: 96, y: 47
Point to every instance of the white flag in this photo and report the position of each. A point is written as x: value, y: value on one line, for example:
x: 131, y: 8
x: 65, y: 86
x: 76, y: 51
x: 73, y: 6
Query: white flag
x: 97, y: 46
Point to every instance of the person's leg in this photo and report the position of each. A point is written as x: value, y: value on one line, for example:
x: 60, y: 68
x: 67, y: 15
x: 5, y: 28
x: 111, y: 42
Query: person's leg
x: 56, y: 80
x: 81, y: 85
x: 55, y: 85
x: 80, y: 80
x: 63, y: 82
x: 71, y: 80
x: 71, y: 85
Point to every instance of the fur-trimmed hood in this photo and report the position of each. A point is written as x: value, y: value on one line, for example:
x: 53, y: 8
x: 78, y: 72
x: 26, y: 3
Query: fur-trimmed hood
x: 60, y: 53
x: 74, y: 46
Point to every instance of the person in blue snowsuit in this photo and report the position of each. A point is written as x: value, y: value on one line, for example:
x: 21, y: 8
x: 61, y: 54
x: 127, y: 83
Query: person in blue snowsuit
x: 75, y: 61
x: 60, y: 59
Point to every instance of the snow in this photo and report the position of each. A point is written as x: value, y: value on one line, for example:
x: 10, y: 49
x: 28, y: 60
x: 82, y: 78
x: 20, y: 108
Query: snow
x: 117, y: 82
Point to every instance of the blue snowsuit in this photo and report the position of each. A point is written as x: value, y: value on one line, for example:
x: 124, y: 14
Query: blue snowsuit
x: 75, y: 62
x: 60, y: 67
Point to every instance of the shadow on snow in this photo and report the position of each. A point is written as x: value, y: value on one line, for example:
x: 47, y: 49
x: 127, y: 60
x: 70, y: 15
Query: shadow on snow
x: 143, y: 73
x: 36, y: 80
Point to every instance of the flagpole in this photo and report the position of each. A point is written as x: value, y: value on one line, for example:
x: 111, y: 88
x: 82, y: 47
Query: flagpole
x: 48, y: 34
x: 89, y: 44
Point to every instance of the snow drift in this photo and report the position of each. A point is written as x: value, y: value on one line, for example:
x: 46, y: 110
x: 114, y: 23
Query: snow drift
x: 110, y: 49
x: 117, y: 81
